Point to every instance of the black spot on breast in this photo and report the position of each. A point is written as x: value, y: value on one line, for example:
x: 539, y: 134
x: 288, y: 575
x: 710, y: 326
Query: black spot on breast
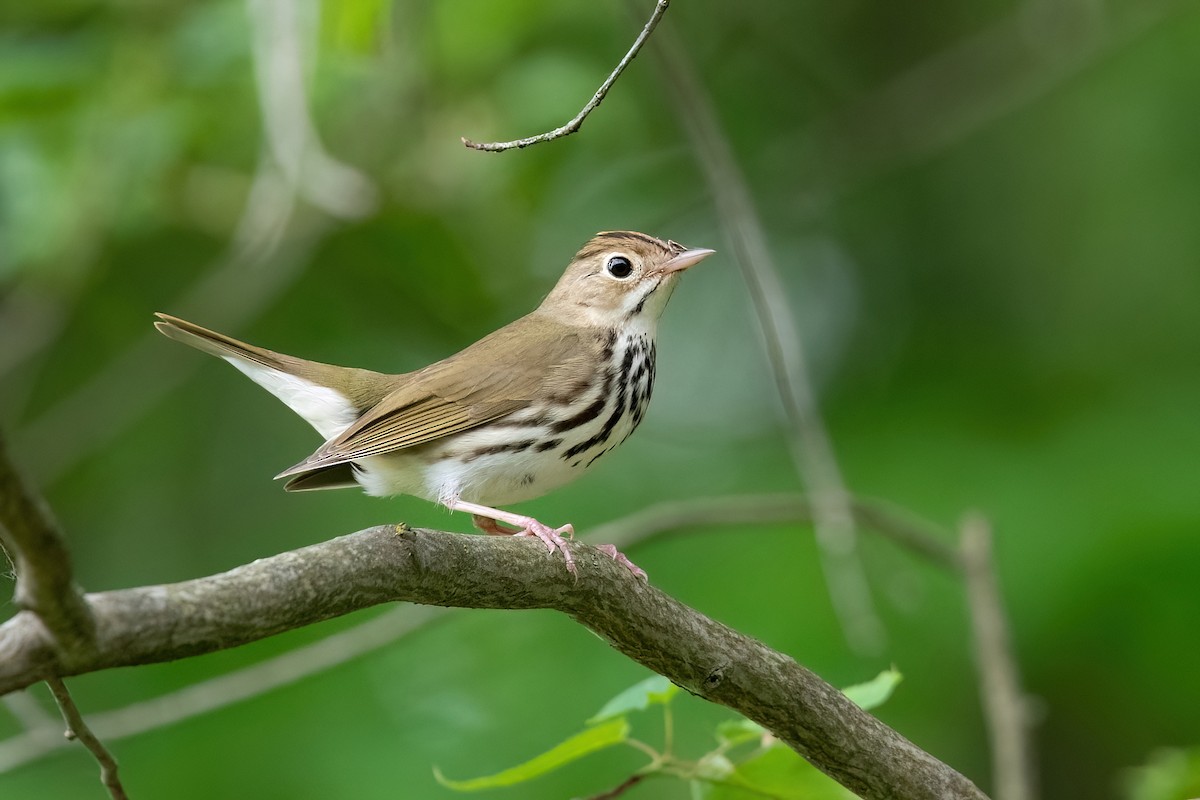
x: 618, y: 409
x: 585, y: 416
x: 494, y: 449
x: 640, y: 397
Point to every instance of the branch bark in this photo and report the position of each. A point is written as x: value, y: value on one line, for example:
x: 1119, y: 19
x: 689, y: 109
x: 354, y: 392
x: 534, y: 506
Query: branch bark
x: 384, y: 564
x: 42, y: 563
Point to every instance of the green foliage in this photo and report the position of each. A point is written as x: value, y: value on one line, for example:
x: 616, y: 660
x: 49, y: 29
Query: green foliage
x: 1169, y: 775
x: 732, y: 732
x: 775, y: 772
x: 586, y: 742
x: 727, y: 772
x: 985, y: 226
x: 876, y: 691
x: 356, y: 25
x: 655, y: 690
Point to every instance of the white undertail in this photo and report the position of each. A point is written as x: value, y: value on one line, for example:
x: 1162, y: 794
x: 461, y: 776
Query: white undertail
x: 325, y: 409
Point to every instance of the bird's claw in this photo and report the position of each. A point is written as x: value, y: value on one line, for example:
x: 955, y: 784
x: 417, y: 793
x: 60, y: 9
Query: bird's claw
x: 552, y: 538
x: 616, y: 555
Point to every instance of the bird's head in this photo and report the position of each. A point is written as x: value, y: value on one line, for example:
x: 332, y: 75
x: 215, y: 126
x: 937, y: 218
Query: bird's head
x: 620, y: 278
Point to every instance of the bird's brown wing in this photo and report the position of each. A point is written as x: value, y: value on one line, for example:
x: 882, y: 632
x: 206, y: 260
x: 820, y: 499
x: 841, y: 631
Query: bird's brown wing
x: 497, y: 375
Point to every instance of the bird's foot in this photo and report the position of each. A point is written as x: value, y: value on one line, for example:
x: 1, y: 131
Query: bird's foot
x: 552, y: 538
x: 616, y: 555
x: 489, y: 520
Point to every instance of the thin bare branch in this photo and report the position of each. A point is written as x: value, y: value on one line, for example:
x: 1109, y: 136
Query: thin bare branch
x: 35, y: 545
x: 999, y: 682
x: 385, y: 564
x: 78, y: 729
x: 621, y: 788
x: 920, y: 537
x: 812, y: 450
x: 660, y: 8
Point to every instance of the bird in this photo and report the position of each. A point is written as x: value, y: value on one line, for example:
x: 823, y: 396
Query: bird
x: 519, y: 413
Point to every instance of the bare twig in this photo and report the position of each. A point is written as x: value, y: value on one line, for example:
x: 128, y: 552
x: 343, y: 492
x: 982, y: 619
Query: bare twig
x: 78, y: 729
x: 923, y: 539
x: 384, y: 564
x: 42, y: 564
x: 920, y: 537
x: 621, y: 788
x: 1003, y: 703
x: 660, y: 8
x: 812, y: 450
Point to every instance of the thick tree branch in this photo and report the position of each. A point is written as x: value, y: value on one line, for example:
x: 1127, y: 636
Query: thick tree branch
x: 576, y: 122
x: 160, y: 623
x: 42, y: 737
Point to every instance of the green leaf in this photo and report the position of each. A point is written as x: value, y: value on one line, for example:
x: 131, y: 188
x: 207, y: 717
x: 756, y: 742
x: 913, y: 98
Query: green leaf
x: 581, y: 744
x: 777, y: 772
x: 875, y: 692
x: 655, y: 690
x: 1168, y: 775
x: 736, y: 731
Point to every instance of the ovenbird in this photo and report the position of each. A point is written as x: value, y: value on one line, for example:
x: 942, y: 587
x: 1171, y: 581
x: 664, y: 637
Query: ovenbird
x: 515, y: 415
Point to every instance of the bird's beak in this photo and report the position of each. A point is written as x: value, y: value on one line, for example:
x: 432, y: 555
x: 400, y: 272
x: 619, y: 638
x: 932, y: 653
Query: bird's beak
x: 684, y: 260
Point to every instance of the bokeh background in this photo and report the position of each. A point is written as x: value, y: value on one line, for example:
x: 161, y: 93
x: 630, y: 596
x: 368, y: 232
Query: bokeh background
x: 986, y: 217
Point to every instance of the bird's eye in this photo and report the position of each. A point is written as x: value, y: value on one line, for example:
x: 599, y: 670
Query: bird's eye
x: 619, y: 267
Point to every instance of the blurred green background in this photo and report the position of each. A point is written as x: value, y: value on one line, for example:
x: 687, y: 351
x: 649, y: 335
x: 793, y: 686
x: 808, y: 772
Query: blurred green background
x: 987, y: 218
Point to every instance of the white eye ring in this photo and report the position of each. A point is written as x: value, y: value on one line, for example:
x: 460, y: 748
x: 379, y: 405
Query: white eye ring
x: 619, y: 267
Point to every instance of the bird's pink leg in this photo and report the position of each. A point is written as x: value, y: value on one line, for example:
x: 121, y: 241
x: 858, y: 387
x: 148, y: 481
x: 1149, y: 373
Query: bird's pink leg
x: 489, y: 525
x: 489, y: 520
x: 528, y: 526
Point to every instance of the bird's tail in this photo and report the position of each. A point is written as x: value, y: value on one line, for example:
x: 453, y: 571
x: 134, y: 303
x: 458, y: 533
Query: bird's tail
x: 328, y: 397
